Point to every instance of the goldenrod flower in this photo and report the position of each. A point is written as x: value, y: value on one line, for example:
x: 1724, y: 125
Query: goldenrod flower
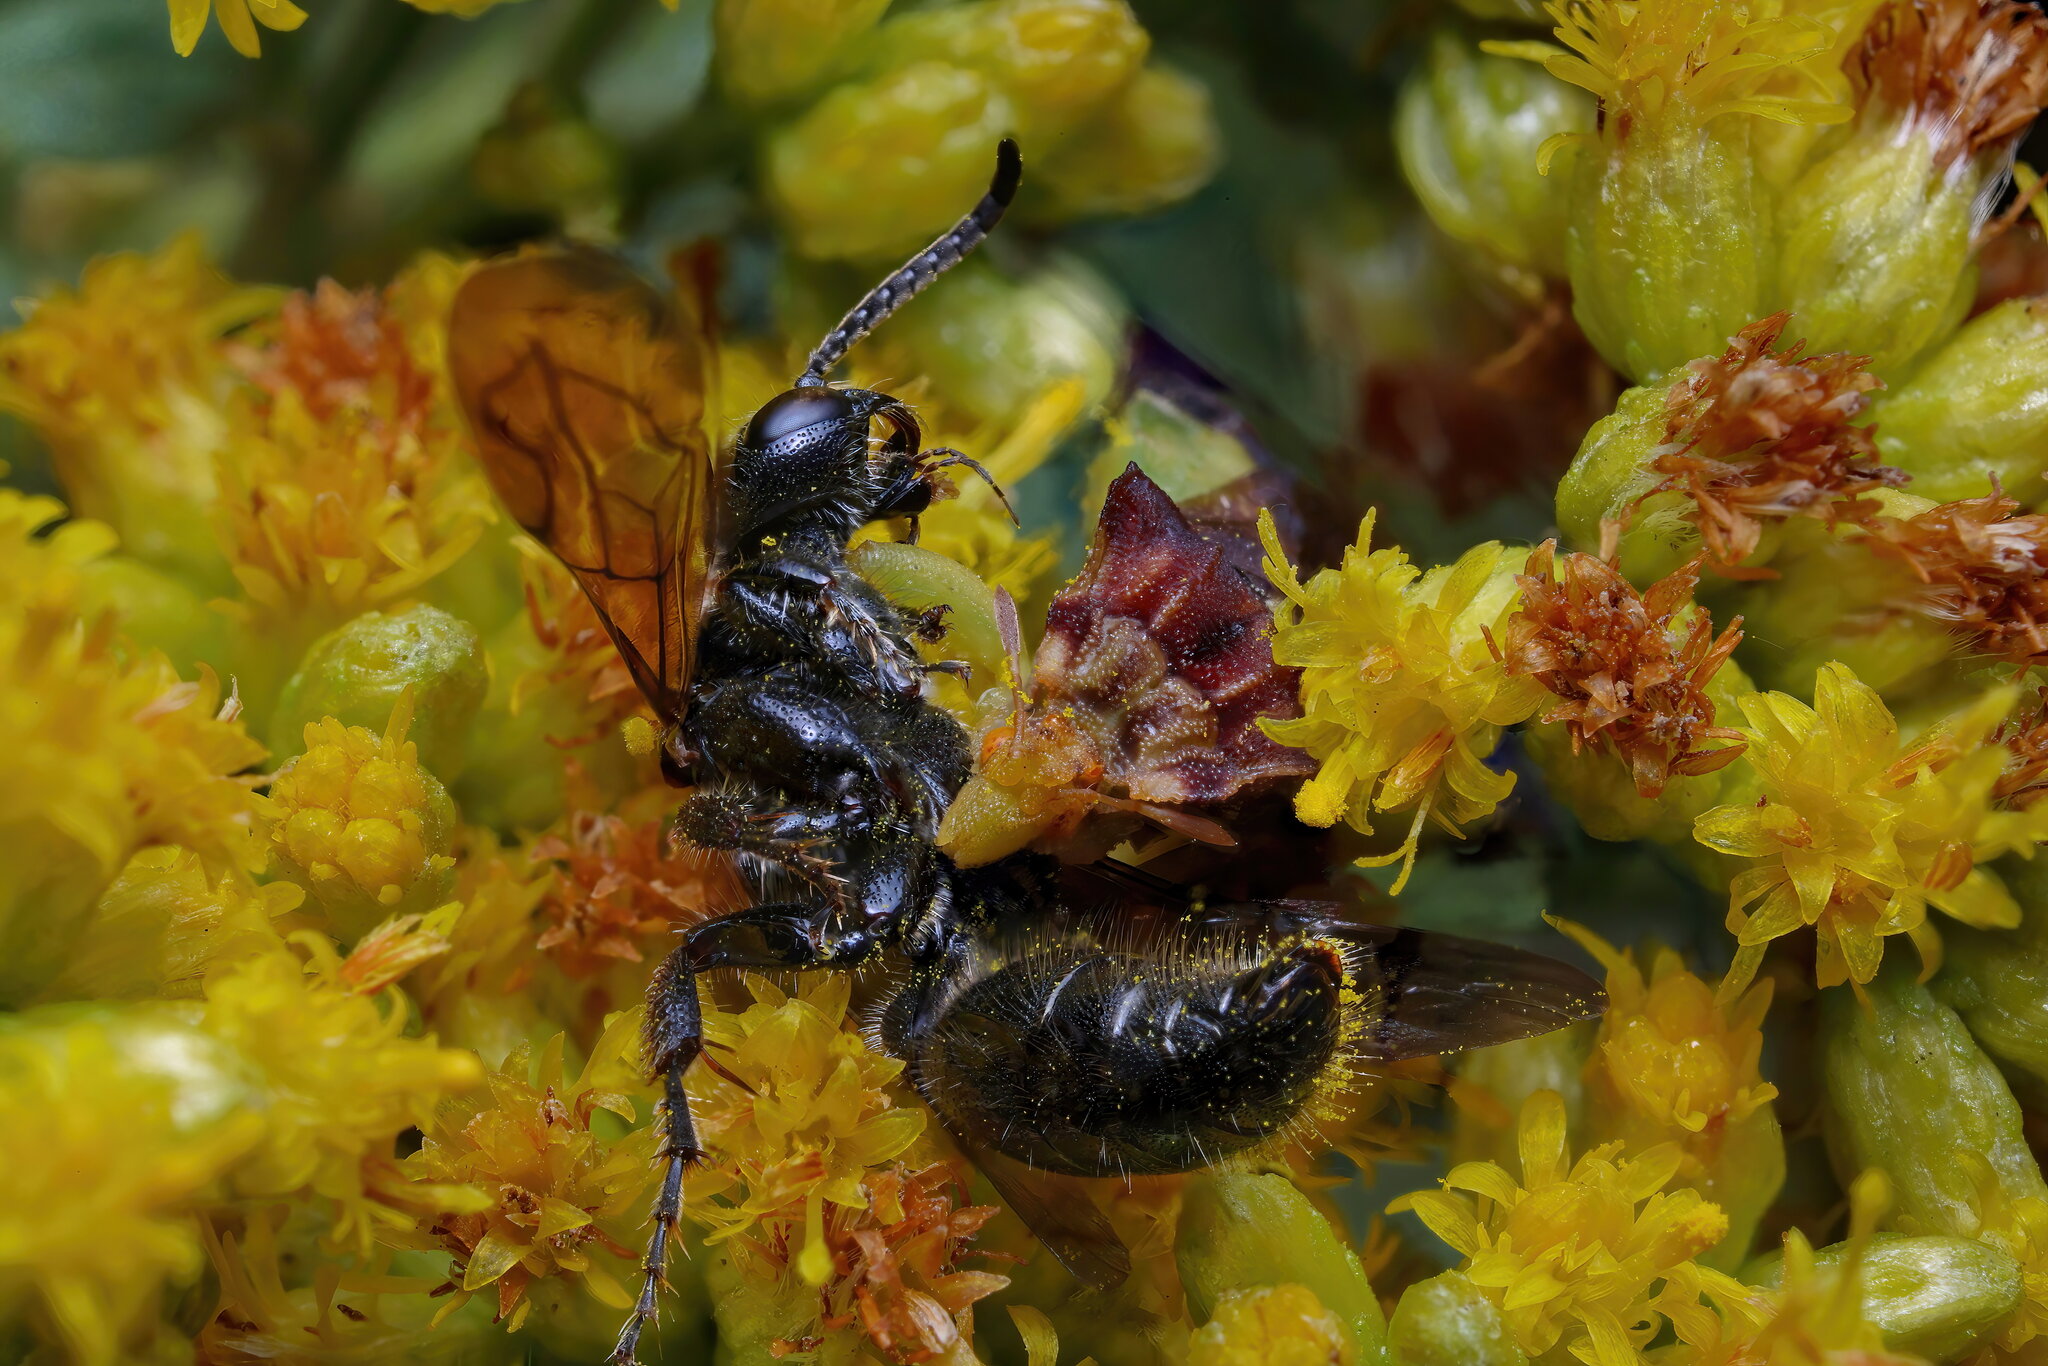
x: 106, y: 753
x: 1573, y: 1254
x: 1986, y: 572
x: 358, y: 822
x: 341, y: 482
x: 124, y: 379
x: 340, y: 1077
x: 488, y: 992
x: 2016, y: 1223
x: 1669, y: 246
x: 580, y: 672
x: 1775, y: 60
x: 166, y: 923
x: 1762, y: 433
x: 121, y: 1123
x: 1626, y: 667
x: 896, y: 1280
x: 830, y: 1237
x: 1671, y: 1052
x: 1875, y: 236
x: 238, y: 20
x: 619, y: 883
x: 518, y: 1185
x: 1401, y: 699
x: 818, y: 1116
x: 1855, y: 833
x: 337, y: 1317
x: 1275, y: 1325
x: 1676, y: 1063
x: 1812, y: 1317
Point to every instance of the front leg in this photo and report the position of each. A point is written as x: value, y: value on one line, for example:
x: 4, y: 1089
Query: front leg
x: 781, y: 935
x: 825, y: 623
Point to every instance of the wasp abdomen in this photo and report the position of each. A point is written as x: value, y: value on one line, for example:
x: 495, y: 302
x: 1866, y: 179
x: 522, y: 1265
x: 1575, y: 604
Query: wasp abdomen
x: 1087, y: 1062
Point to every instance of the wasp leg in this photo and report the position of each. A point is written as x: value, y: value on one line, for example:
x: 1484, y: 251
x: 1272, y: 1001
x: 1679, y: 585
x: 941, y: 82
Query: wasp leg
x: 814, y: 616
x: 778, y: 935
x: 807, y: 837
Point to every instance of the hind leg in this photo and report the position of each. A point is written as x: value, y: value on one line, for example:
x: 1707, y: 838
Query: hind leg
x: 781, y: 935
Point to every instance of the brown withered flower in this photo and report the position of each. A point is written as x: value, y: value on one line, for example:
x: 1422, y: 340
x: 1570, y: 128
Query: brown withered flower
x: 1759, y: 434
x: 1147, y: 690
x: 619, y: 883
x: 581, y: 658
x: 2025, y: 737
x: 1974, y: 73
x: 901, y: 1283
x: 342, y: 350
x: 1623, y: 670
x: 1986, y: 571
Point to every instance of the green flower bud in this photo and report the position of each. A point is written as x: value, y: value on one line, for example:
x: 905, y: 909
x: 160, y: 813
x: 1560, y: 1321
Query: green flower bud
x: 357, y: 673
x: 543, y: 156
x: 1910, y: 1092
x: 879, y: 168
x: 1448, y: 1321
x: 156, y: 610
x: 1607, y: 481
x: 1239, y: 1230
x: 1669, y: 250
x: 1835, y: 600
x: 1185, y: 456
x: 1061, y: 61
x: 1997, y: 981
x: 916, y: 579
x: 769, y: 50
x: 1870, y: 250
x: 1975, y: 410
x: 1874, y: 237
x: 1935, y: 1297
x: 1469, y: 127
x: 1274, y: 1325
x: 1154, y: 144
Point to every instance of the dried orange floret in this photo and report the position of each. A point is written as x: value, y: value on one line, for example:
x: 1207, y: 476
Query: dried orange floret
x: 1986, y: 571
x: 1761, y: 433
x: 1622, y: 669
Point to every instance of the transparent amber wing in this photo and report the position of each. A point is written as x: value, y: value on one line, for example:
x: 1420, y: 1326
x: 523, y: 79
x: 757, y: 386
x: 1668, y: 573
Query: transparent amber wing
x: 585, y: 390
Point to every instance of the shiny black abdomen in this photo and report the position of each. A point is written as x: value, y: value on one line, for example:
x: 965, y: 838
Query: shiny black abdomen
x: 1087, y: 1062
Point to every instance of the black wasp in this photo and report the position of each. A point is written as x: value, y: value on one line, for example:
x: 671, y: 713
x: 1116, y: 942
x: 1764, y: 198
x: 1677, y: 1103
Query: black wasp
x: 1057, y: 1030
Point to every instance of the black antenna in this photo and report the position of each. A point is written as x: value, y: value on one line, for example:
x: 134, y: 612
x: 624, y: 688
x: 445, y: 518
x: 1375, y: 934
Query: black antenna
x: 920, y: 270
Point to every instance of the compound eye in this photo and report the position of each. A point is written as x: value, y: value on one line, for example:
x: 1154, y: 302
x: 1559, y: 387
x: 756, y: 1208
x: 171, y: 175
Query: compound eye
x: 795, y: 409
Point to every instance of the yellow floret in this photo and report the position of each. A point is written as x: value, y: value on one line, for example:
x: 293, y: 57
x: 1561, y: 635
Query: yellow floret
x: 360, y: 824
x: 1402, y: 700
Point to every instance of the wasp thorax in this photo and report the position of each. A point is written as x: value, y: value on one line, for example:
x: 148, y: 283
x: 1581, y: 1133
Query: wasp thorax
x: 1089, y: 1062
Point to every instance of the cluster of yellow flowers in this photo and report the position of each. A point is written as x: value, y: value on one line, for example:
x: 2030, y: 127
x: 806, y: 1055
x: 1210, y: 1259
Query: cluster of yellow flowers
x: 328, y: 886
x: 422, y: 909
